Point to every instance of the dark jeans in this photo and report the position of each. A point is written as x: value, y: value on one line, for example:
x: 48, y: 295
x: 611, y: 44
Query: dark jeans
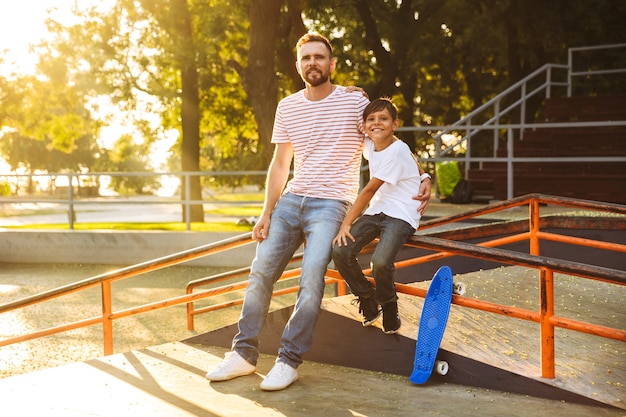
x: 393, y: 233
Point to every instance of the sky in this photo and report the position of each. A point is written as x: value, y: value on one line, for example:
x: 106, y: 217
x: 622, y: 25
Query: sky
x: 22, y: 23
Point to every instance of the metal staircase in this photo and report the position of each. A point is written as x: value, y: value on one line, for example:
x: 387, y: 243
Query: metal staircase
x: 577, y: 149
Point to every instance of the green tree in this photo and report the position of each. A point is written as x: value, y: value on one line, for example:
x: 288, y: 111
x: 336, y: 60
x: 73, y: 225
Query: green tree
x: 396, y: 49
x: 439, y: 60
x: 178, y: 52
x: 143, y: 47
x: 128, y: 156
x: 45, y: 124
x: 217, y: 68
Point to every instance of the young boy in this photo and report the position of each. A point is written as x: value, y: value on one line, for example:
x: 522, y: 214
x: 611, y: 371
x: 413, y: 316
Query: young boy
x: 392, y: 216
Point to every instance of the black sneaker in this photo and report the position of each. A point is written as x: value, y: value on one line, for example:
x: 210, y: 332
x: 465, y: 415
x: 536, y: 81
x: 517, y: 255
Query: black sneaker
x: 391, y: 318
x: 369, y: 308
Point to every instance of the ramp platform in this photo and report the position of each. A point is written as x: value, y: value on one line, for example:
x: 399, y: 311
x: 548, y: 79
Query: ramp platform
x: 483, y: 349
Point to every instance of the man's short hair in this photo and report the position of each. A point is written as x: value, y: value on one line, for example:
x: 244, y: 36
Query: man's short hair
x: 315, y: 37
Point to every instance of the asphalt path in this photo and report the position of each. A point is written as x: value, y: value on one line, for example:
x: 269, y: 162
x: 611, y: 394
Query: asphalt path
x: 106, y: 211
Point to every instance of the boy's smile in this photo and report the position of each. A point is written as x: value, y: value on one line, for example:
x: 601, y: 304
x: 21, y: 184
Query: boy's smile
x: 380, y: 127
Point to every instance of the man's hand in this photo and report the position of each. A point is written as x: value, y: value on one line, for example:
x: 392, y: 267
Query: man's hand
x: 261, y: 228
x: 423, y: 195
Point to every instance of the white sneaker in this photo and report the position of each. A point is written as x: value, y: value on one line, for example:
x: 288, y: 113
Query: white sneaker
x: 231, y: 367
x: 280, y: 377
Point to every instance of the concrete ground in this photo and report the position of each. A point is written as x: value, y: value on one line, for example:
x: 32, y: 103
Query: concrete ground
x: 154, y: 375
x: 168, y: 380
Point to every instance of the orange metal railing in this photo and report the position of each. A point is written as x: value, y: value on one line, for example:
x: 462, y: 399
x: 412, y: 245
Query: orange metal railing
x: 545, y: 265
x: 528, y: 229
x: 104, y: 282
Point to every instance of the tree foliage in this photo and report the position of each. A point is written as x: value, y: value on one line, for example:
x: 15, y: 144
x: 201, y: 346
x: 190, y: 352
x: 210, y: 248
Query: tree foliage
x: 46, y: 125
x: 215, y: 69
x: 129, y: 156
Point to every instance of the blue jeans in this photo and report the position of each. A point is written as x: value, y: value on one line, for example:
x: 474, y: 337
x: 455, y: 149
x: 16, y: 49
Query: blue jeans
x: 295, y: 220
x: 393, y: 233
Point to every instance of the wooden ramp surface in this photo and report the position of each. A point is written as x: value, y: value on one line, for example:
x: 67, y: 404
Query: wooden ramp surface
x: 586, y: 365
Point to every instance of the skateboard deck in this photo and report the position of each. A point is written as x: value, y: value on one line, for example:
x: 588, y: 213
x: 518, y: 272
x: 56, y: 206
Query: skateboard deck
x: 432, y: 325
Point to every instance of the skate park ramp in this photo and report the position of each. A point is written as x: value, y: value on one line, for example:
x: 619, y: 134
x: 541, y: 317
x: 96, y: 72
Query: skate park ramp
x: 483, y: 349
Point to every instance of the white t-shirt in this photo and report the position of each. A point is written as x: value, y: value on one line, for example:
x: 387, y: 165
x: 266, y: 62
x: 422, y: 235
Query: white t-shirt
x: 396, y: 167
x: 327, y: 139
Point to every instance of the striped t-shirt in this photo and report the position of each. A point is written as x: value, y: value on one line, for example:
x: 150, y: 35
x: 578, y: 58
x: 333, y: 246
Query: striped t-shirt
x: 327, y: 140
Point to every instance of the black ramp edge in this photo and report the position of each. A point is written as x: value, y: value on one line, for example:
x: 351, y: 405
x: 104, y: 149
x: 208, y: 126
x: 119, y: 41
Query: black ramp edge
x: 343, y: 341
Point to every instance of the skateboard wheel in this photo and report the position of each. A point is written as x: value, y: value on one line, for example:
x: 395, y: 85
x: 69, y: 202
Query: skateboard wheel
x: 441, y: 367
x: 459, y: 288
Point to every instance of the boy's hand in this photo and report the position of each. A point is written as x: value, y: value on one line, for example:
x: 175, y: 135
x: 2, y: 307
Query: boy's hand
x: 423, y: 196
x: 342, y: 236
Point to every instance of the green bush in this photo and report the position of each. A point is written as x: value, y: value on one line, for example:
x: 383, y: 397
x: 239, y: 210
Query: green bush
x: 5, y: 189
x: 448, y: 175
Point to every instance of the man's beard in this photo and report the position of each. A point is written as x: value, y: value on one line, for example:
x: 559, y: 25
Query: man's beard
x: 315, y: 81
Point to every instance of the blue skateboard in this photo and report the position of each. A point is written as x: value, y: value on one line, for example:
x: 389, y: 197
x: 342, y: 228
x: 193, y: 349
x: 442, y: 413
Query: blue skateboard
x: 432, y: 325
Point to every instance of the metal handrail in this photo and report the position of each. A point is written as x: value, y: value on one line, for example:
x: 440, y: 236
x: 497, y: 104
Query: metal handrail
x: 570, y: 63
x: 202, y: 282
x: 547, y: 267
x: 494, y: 102
x: 105, y: 280
x: 442, y: 247
x: 73, y: 200
x: 510, y: 159
x: 492, y: 111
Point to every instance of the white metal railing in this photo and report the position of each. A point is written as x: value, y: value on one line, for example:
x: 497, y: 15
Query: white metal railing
x: 510, y: 160
x: 540, y: 81
x: 72, y: 199
x: 572, y: 73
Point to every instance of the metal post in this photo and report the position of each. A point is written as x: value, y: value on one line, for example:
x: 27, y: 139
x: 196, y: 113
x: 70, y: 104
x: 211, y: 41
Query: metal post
x: 522, y: 111
x: 533, y: 227
x: 509, y: 164
x: 570, y: 69
x: 548, y: 82
x: 187, y: 206
x: 107, y: 323
x: 546, y: 291
x: 495, y: 131
x: 546, y: 286
x: 70, y: 192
